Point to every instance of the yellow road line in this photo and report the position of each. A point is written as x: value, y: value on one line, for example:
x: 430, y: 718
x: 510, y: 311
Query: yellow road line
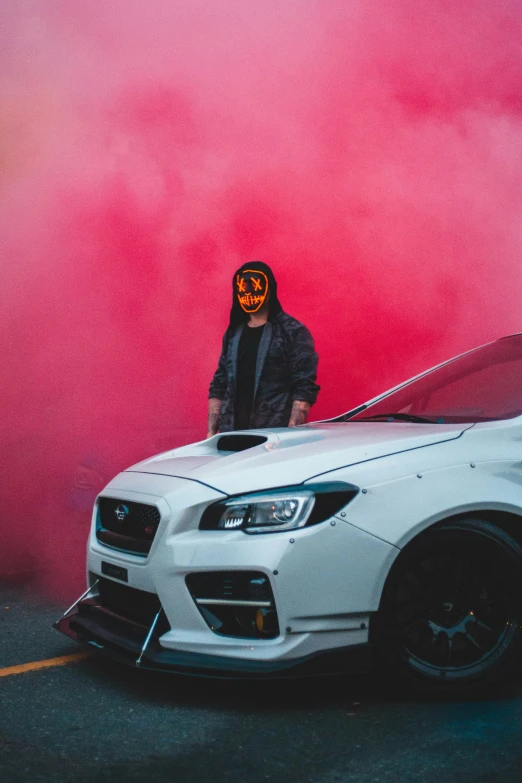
x: 35, y: 665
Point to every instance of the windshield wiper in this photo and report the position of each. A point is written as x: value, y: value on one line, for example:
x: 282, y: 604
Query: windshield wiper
x: 401, y: 417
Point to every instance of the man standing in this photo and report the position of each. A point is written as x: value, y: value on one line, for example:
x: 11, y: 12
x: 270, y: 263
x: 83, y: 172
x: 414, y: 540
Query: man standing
x: 267, y: 368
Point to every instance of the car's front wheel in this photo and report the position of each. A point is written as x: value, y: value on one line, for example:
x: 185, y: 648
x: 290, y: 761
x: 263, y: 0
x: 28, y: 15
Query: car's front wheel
x: 451, y: 611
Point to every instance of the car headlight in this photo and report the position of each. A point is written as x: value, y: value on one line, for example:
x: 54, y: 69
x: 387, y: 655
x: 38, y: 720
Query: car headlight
x: 277, y: 510
x: 284, y: 512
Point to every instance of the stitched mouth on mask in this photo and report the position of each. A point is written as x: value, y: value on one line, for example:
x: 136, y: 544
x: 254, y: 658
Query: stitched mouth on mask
x: 250, y: 300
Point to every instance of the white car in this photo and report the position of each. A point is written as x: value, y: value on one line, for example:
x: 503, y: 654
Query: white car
x: 393, y: 531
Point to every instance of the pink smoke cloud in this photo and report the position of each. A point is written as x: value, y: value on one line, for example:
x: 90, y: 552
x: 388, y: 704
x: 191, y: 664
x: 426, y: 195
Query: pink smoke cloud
x: 369, y: 153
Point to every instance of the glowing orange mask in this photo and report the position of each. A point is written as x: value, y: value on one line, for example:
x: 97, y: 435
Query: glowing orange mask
x: 252, y: 290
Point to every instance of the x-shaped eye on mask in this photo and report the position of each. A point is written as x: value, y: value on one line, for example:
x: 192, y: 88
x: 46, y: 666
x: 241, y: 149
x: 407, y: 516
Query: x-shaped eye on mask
x: 241, y: 284
x: 257, y: 284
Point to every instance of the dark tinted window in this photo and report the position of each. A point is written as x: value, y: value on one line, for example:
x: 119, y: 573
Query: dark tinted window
x: 484, y: 385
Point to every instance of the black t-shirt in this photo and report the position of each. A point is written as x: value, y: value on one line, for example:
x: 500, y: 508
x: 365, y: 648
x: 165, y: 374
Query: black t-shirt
x: 246, y: 374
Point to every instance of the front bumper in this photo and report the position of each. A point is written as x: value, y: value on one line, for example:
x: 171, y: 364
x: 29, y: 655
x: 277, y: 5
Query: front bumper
x: 325, y: 579
x: 119, y: 640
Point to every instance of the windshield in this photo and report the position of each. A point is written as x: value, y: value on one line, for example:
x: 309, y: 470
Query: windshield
x: 484, y: 385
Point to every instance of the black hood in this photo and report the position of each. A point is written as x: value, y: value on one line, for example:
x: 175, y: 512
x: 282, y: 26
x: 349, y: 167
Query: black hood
x: 237, y: 314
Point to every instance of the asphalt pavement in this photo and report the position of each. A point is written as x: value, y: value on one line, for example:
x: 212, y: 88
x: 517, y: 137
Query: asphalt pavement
x: 93, y: 720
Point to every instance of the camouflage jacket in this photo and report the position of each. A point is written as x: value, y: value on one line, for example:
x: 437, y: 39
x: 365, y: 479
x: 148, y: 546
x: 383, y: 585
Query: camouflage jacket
x: 285, y: 371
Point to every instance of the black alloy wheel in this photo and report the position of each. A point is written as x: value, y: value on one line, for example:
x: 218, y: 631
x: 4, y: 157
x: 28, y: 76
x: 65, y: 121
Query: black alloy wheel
x: 451, y: 611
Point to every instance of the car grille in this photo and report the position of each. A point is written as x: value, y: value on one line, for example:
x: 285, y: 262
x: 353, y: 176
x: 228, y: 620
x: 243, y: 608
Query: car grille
x: 120, y: 616
x: 126, y: 525
x: 138, y: 606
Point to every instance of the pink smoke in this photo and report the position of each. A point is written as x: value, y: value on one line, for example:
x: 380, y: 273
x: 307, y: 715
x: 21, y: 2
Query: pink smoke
x: 370, y: 153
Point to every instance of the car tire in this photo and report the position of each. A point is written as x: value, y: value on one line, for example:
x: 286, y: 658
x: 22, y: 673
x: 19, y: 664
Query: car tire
x: 451, y: 610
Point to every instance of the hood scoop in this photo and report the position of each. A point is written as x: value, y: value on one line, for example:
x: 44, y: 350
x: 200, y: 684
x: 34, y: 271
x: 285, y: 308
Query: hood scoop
x: 234, y: 443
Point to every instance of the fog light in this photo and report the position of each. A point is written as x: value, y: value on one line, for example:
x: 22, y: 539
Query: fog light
x: 266, y: 621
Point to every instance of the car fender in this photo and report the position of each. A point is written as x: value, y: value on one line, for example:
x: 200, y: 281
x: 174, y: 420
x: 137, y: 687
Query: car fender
x: 397, y: 510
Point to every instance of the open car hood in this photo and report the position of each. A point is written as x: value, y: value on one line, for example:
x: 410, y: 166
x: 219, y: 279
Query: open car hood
x: 232, y: 465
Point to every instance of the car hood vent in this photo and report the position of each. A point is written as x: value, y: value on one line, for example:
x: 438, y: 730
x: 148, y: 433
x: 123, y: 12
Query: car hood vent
x: 232, y: 443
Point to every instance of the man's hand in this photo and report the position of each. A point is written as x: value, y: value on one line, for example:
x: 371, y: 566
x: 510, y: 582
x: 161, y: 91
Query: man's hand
x: 299, y: 413
x: 214, y: 409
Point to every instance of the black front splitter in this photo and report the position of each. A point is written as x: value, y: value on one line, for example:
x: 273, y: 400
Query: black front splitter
x: 122, y: 641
